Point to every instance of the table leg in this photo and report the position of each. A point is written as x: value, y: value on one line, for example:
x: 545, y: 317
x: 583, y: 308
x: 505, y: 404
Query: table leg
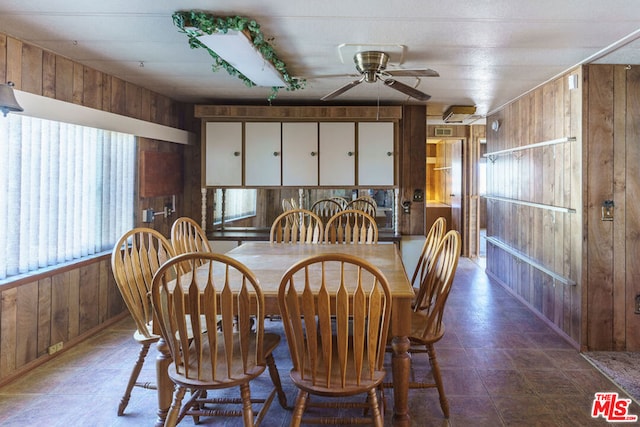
x: 400, y: 367
x: 163, y: 382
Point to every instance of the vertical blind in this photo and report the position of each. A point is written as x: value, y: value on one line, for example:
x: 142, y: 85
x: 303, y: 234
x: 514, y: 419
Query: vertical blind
x: 238, y: 203
x: 66, y: 191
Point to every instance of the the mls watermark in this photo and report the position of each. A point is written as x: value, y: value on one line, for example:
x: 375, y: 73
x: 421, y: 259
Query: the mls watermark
x: 612, y: 408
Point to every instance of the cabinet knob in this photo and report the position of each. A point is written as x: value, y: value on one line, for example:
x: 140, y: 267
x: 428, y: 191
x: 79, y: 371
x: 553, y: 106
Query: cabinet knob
x: 276, y: 153
x: 389, y: 153
x: 313, y: 153
x: 236, y: 153
x: 350, y: 153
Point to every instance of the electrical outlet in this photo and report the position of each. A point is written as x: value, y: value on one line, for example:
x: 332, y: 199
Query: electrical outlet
x: 55, y: 348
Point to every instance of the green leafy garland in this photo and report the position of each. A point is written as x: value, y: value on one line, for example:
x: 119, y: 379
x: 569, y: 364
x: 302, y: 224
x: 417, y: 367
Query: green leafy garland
x: 194, y: 24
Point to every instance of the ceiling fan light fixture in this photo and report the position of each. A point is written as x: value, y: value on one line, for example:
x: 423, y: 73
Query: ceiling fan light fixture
x: 371, y: 61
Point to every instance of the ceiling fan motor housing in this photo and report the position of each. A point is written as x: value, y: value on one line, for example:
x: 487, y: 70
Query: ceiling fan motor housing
x: 370, y: 62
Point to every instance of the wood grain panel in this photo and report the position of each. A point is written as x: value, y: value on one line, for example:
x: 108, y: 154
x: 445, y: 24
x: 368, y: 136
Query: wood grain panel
x: 14, y: 62
x: 632, y: 210
x: 599, y: 175
x: 240, y: 112
x: 44, y: 316
x: 92, y: 88
x: 88, y: 297
x: 48, y: 74
x: 78, y: 83
x: 618, y: 196
x: 60, y: 307
x: 27, y: 323
x: 64, y: 79
x: 32, y: 69
x: 3, y: 58
x: 8, y: 331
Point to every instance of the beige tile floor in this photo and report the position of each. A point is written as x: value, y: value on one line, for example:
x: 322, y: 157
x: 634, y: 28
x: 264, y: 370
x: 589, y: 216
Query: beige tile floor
x: 502, y: 366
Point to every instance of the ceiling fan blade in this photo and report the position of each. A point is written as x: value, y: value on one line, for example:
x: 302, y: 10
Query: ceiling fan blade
x: 342, y: 90
x: 423, y: 72
x: 407, y: 90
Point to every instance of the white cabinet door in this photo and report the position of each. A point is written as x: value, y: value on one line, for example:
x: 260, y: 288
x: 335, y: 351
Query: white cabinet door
x: 337, y: 154
x: 263, y: 151
x: 223, y: 154
x: 375, y: 153
x: 300, y: 154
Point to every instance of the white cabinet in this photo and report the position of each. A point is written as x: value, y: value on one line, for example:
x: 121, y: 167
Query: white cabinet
x: 375, y: 153
x: 223, y: 154
x: 300, y: 153
x: 337, y: 153
x: 328, y: 154
x: 263, y: 159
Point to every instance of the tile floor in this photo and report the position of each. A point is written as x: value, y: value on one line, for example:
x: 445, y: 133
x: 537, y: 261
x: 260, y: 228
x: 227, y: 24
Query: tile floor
x: 502, y: 366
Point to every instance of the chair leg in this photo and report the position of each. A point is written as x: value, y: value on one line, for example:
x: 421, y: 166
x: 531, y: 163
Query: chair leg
x: 298, y: 410
x: 275, y: 379
x: 376, y: 415
x: 174, y: 411
x: 133, y: 378
x: 444, y: 404
x: 247, y: 409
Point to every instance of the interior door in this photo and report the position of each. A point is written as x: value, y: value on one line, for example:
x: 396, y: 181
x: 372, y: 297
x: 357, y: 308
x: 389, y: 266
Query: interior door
x: 455, y: 197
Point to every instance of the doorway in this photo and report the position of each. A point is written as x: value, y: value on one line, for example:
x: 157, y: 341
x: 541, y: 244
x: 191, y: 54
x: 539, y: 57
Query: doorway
x: 444, y: 182
x: 455, y: 172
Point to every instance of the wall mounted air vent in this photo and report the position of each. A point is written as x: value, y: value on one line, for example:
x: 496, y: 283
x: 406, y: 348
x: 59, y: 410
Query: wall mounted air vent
x: 458, y: 113
x: 444, y: 131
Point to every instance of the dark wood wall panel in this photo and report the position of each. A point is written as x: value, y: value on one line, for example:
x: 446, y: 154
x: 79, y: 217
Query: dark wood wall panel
x: 412, y: 167
x: 612, y: 172
x: 598, y: 313
x: 532, y: 188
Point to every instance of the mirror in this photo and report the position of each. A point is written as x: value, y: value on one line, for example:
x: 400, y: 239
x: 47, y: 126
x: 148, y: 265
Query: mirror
x: 256, y: 208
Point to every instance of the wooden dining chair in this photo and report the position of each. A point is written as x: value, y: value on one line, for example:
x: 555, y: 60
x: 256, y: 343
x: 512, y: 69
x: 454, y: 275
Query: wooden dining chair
x: 341, y: 201
x: 289, y: 204
x: 351, y: 226
x: 325, y: 209
x: 297, y: 226
x: 135, y: 258
x: 365, y: 204
x: 336, y: 311
x: 427, y: 327
x: 429, y: 247
x: 188, y: 236
x: 223, y: 299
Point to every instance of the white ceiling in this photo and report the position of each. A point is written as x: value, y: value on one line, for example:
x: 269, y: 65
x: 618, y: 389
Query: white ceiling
x: 488, y: 52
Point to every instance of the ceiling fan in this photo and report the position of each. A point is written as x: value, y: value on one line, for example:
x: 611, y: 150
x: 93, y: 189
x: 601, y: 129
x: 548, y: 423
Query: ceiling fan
x: 372, y: 66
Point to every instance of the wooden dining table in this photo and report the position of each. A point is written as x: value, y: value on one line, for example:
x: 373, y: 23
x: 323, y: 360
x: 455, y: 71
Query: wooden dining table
x: 270, y: 261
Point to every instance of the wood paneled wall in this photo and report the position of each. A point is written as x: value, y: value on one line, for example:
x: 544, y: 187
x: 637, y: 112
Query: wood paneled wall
x: 412, y: 168
x: 537, y: 220
x: 71, y: 303
x: 599, y: 312
x: 611, y: 172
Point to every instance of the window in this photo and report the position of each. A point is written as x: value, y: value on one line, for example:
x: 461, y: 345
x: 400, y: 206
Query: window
x: 238, y: 203
x: 66, y: 191
x: 482, y: 177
